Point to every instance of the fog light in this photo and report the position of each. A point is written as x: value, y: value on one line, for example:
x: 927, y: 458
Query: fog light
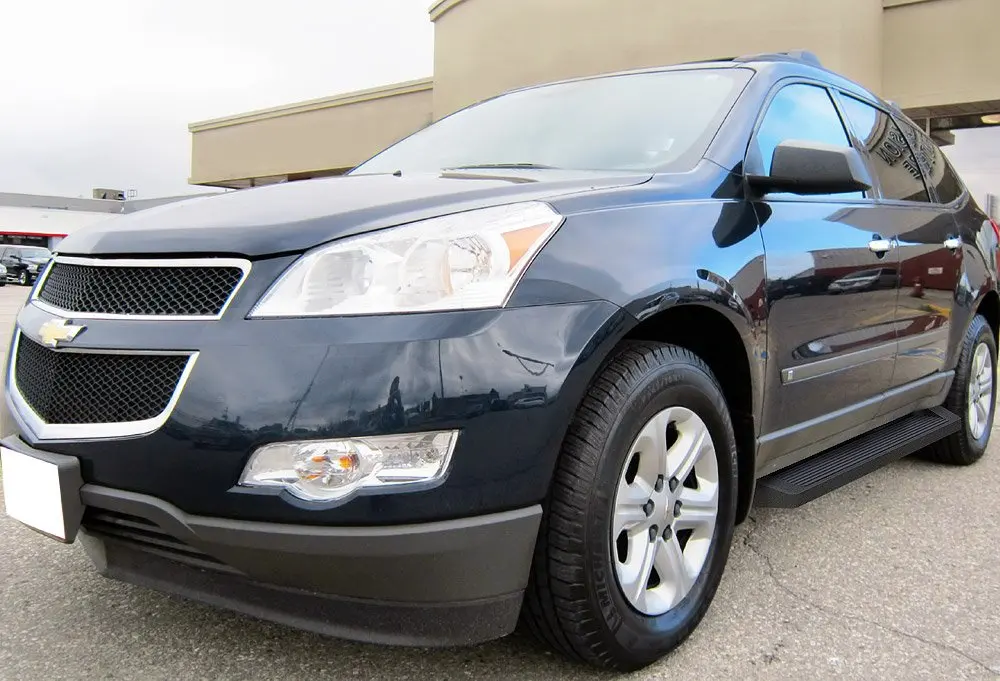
x: 328, y: 470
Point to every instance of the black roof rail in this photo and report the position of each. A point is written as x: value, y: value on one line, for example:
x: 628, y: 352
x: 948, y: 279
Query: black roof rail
x: 802, y: 56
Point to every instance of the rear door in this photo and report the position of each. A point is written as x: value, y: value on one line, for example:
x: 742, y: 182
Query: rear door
x: 929, y: 248
x: 832, y: 275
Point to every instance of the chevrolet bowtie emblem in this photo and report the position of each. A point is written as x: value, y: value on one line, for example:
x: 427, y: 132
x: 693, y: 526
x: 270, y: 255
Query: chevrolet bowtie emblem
x: 57, y: 331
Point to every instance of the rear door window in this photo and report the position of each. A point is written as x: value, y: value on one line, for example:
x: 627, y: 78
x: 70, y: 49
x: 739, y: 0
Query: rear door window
x: 892, y: 160
x: 938, y: 172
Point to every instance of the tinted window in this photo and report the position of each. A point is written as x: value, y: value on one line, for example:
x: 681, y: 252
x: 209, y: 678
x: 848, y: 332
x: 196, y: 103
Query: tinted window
x: 661, y: 120
x: 33, y: 252
x: 891, y: 158
x: 800, y: 112
x: 937, y: 170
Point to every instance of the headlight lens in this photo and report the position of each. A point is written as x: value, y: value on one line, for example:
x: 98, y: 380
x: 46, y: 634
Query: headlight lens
x: 329, y: 470
x: 469, y: 260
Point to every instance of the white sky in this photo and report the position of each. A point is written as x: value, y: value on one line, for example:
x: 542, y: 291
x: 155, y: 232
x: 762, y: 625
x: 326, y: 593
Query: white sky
x: 976, y: 156
x: 99, y: 93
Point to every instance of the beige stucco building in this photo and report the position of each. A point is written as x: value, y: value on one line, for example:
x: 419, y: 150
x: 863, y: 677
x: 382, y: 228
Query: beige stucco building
x: 935, y: 58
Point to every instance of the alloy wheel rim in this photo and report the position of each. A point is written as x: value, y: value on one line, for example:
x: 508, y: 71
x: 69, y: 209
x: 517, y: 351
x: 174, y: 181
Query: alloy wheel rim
x: 665, y: 510
x: 980, y: 391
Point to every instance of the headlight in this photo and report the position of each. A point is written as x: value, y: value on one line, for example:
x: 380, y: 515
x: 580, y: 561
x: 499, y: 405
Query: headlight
x: 32, y: 268
x: 328, y: 470
x: 464, y: 261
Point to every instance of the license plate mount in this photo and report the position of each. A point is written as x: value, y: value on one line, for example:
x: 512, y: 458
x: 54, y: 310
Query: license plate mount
x: 42, y: 491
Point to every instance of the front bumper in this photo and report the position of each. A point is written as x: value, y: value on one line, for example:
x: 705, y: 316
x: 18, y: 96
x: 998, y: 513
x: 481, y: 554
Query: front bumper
x: 445, y: 583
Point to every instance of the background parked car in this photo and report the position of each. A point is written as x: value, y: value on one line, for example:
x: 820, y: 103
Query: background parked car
x: 23, y: 263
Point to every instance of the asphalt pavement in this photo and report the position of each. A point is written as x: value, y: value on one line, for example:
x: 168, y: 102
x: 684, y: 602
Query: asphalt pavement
x: 896, y: 576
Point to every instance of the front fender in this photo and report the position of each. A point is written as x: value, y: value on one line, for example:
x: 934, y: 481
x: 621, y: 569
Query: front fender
x: 652, y: 257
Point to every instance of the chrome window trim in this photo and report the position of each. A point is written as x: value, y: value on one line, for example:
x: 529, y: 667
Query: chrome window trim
x: 240, y: 263
x: 37, y: 426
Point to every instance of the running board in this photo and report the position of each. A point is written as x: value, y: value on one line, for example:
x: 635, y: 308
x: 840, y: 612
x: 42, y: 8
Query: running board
x: 807, y: 480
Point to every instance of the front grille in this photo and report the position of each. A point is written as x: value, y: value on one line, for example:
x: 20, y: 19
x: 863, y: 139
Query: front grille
x: 76, y: 387
x: 149, y: 291
x: 146, y: 536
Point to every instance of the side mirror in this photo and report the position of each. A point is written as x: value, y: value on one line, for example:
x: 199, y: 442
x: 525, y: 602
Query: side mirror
x: 802, y: 167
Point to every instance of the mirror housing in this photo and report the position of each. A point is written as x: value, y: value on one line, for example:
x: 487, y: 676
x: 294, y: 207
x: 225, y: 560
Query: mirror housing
x: 801, y: 167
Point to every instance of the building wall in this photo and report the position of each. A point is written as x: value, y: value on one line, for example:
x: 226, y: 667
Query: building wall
x: 330, y: 134
x: 483, y: 47
x: 40, y: 220
x: 942, y: 53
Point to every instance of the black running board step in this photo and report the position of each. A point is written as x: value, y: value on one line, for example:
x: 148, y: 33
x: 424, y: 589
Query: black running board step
x: 845, y: 463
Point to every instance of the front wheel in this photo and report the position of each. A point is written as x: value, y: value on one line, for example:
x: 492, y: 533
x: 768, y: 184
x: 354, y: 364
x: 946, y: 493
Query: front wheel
x: 23, y: 279
x: 640, y: 518
x: 972, y: 396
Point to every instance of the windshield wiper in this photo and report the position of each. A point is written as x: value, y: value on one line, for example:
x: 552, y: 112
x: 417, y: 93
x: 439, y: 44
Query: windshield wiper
x: 529, y: 166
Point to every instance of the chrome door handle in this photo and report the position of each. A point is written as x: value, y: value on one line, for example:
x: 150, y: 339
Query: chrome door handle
x: 879, y: 245
x: 952, y: 243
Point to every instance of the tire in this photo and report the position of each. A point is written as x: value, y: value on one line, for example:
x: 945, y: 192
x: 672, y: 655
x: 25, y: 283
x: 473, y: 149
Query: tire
x: 575, y: 601
x: 969, y: 444
x: 23, y: 278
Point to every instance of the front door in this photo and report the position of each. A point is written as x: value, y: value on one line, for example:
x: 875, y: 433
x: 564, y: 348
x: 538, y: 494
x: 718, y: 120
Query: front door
x: 832, y: 277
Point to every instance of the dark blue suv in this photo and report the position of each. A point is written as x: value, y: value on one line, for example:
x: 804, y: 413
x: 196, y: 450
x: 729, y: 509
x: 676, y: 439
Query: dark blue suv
x: 535, y: 361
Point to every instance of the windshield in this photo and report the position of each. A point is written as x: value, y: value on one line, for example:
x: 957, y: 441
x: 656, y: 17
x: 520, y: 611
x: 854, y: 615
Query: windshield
x: 33, y: 252
x: 646, y: 121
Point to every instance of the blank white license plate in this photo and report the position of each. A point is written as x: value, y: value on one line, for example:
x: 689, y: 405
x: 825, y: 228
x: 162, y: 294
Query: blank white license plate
x: 32, y: 493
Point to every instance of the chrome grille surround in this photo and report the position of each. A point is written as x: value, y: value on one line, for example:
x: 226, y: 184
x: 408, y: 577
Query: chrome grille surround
x: 156, y: 269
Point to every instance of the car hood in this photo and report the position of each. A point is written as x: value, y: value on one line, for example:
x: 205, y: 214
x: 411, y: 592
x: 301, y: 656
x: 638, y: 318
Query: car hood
x: 295, y: 216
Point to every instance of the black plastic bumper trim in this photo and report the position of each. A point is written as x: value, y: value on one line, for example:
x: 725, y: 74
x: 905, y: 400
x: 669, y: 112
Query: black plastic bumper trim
x: 408, y: 624
x: 441, y: 562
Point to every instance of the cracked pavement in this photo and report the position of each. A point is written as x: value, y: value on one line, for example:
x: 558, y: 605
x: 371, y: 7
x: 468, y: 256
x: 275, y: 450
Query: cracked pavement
x: 896, y: 576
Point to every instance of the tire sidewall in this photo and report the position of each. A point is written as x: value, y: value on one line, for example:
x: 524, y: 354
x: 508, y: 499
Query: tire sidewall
x: 983, y: 335
x: 646, y: 638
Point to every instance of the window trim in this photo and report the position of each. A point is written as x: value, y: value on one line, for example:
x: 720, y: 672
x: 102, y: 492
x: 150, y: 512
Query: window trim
x: 831, y: 92
x: 837, y: 95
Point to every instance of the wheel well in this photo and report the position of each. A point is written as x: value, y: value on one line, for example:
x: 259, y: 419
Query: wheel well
x: 989, y: 307
x: 691, y: 327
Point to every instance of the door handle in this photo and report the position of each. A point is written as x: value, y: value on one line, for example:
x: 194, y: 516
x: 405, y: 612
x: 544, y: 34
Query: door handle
x: 952, y: 243
x: 879, y: 246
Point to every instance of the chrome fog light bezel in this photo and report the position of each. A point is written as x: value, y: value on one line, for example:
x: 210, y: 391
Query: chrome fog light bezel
x: 283, y: 472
